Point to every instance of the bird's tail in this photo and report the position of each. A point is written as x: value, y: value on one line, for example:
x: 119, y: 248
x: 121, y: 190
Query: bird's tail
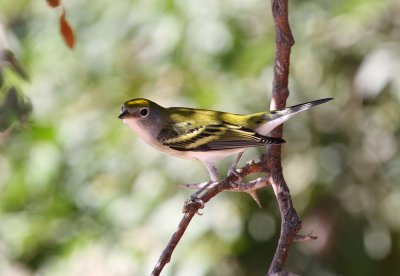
x: 299, y: 107
x: 277, y: 117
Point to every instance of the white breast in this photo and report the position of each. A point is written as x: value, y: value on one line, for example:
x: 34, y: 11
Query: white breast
x: 151, y: 139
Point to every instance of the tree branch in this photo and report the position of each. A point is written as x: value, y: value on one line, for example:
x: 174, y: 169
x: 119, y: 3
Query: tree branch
x: 291, y: 222
x: 192, y: 206
x: 270, y: 163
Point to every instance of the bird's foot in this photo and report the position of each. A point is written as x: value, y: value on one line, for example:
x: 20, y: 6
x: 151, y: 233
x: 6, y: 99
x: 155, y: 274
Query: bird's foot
x: 195, y: 202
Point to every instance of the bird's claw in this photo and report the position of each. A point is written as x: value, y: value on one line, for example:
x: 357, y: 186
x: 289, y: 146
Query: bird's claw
x: 195, y: 202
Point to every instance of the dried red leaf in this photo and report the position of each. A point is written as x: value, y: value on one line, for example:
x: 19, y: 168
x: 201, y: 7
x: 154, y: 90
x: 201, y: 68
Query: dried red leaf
x: 66, y: 31
x: 53, y: 3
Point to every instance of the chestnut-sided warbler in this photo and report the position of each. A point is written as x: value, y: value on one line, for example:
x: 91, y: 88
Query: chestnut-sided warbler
x: 201, y: 134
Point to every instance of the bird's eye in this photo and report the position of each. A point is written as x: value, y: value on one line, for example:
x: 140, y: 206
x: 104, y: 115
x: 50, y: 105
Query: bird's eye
x: 144, y: 112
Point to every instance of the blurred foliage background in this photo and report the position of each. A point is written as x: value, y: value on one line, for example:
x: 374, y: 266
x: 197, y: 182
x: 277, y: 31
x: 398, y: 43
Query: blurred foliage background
x: 80, y: 194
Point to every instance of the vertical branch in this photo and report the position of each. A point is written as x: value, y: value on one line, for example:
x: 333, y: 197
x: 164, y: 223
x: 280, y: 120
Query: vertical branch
x: 291, y: 223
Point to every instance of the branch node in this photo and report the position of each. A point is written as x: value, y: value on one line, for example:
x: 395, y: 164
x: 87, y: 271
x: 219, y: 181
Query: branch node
x: 193, y: 205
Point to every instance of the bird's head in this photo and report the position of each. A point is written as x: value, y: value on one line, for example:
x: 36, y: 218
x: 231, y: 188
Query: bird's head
x: 143, y: 115
x: 137, y: 109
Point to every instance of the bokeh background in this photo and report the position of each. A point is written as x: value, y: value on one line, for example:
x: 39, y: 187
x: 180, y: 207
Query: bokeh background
x: 80, y: 194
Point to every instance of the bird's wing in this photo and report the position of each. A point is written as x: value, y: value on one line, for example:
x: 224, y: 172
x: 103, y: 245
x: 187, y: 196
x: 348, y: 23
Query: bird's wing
x: 221, y: 136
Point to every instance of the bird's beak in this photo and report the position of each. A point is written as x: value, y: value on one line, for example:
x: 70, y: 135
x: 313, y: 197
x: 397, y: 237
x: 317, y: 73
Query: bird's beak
x: 124, y: 114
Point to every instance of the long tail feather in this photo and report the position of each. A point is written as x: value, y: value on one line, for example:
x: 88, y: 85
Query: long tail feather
x: 280, y: 116
x: 301, y: 107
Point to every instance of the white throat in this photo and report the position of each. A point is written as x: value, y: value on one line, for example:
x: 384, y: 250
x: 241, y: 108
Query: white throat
x: 141, y: 131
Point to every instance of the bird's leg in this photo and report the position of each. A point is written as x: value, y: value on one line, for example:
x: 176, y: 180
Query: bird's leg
x: 232, y: 169
x: 212, y: 170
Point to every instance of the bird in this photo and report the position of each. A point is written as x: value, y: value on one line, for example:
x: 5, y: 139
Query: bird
x: 205, y: 135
